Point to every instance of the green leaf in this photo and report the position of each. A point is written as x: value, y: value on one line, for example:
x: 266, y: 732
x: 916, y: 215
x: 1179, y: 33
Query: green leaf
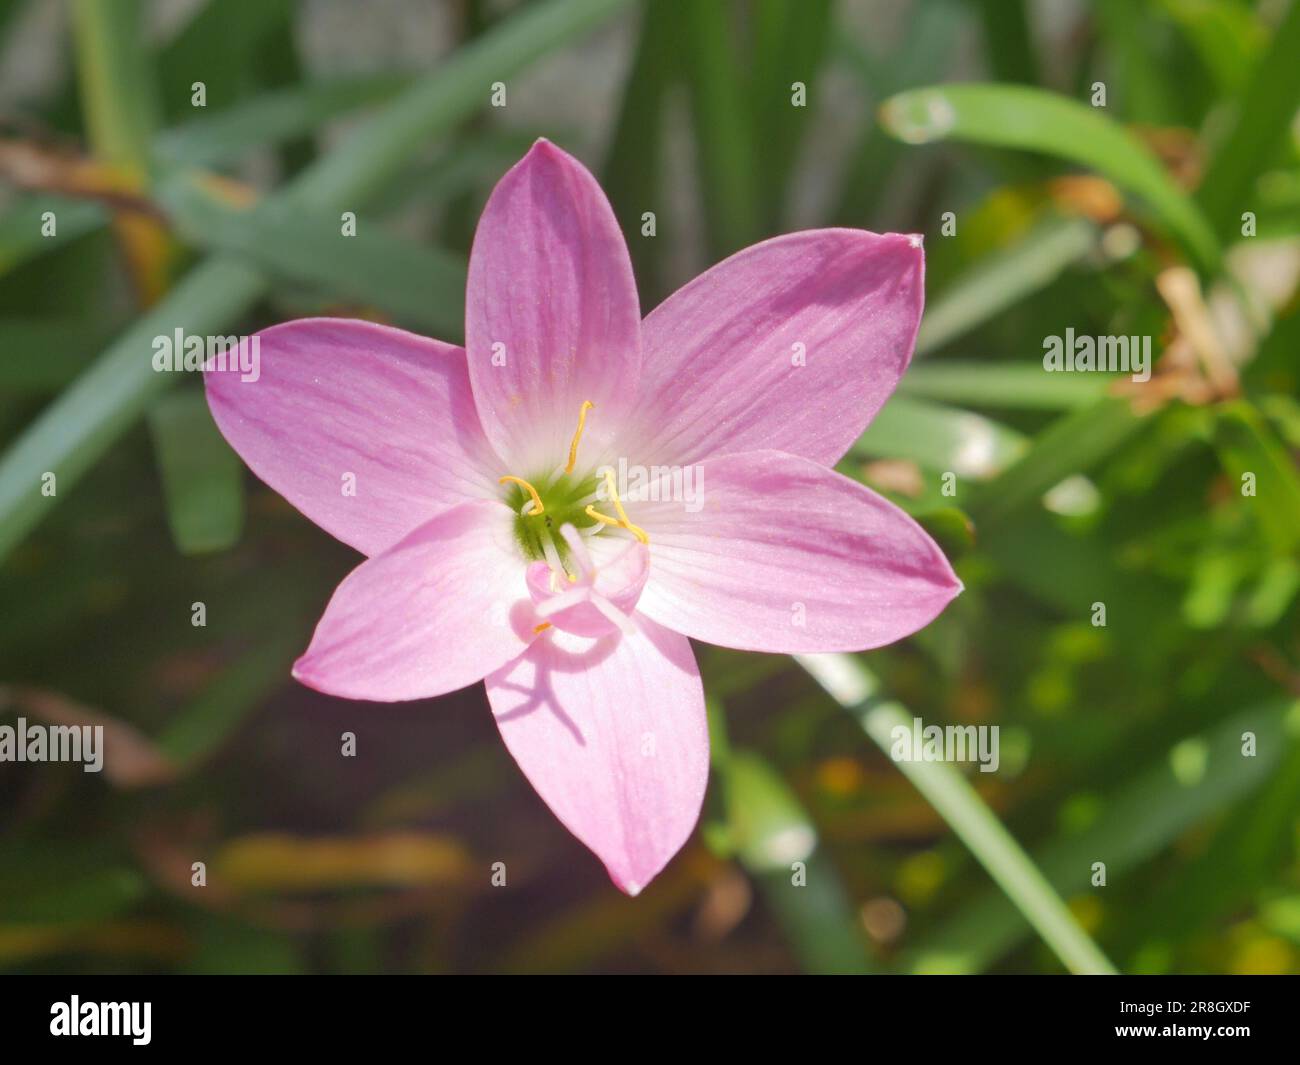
x: 856, y: 689
x: 632, y: 168
x: 773, y: 837
x: 1227, y: 36
x: 1008, y: 41
x: 933, y: 31
x: 227, y: 71
x: 272, y: 118
x: 1016, y: 116
x: 117, y: 88
x: 64, y: 884
x: 778, y: 847
x: 74, y: 430
x: 21, y: 237
x: 790, y: 43
x: 1247, y: 446
x: 202, y: 478
x: 1001, y: 385
x: 44, y: 354
x: 1261, y: 119
x: 422, y: 286
x: 1072, y: 444
x: 723, y: 142
x: 940, y: 438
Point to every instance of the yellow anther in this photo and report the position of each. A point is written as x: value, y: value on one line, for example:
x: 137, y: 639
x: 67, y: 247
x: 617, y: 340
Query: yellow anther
x: 622, y: 520
x: 537, y: 500
x: 542, y: 627
x: 582, y: 424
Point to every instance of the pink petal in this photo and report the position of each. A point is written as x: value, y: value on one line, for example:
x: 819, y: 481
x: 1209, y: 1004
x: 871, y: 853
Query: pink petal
x: 612, y: 734
x: 720, y: 353
x: 550, y: 284
x: 438, y: 611
x: 788, y: 556
x: 337, y: 397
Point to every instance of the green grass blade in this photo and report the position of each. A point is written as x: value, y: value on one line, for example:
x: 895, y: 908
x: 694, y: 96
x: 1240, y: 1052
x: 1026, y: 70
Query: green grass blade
x: 1072, y: 444
x: 777, y: 845
x: 933, y: 32
x: 855, y: 688
x: 116, y: 83
x: 272, y: 117
x: 21, y: 238
x: 1135, y: 822
x: 1016, y: 116
x: 1263, y: 116
x: 1001, y: 385
x: 421, y: 286
x: 941, y: 438
x: 723, y: 141
x: 767, y: 829
x: 1008, y: 41
x: 631, y: 174
x: 1002, y: 280
x: 790, y: 44
x: 459, y: 87
x: 202, y: 479
x: 1248, y: 447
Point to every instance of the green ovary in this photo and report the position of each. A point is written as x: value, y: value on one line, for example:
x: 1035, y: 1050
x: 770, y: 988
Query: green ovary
x: 564, y: 499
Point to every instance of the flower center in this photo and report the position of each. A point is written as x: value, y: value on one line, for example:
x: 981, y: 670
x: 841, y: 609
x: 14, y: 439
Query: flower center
x: 544, y: 504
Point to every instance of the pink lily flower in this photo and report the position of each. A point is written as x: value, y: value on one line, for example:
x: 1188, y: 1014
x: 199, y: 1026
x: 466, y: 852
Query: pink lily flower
x: 499, y: 546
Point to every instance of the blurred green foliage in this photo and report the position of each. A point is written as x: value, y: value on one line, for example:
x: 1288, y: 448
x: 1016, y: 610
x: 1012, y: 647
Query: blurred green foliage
x: 1129, y: 168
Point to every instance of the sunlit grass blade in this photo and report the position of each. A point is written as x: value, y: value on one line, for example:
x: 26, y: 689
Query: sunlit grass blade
x: 778, y: 848
x: 1001, y: 385
x: 119, y: 101
x: 1133, y: 824
x: 771, y: 835
x: 856, y: 689
x: 941, y: 438
x: 1016, y: 116
x: 117, y: 90
x: 365, y: 161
